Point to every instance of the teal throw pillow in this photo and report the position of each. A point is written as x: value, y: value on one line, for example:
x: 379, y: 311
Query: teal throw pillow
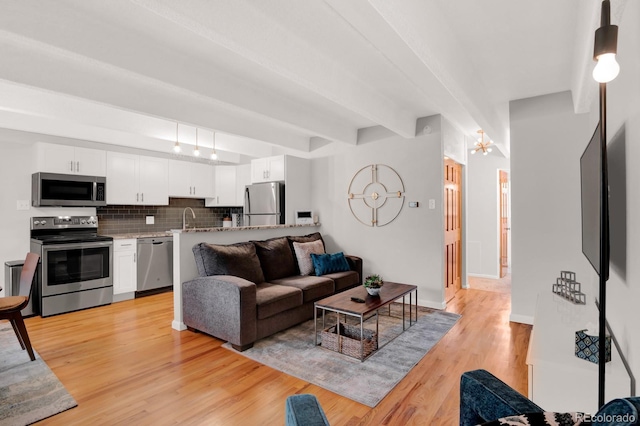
x: 329, y: 263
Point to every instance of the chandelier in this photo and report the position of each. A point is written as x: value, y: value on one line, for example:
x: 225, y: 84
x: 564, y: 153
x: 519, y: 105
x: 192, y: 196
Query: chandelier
x: 481, y: 145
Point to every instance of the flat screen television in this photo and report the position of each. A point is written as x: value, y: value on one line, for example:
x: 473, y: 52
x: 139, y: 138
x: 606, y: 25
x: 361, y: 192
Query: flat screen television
x: 595, y: 204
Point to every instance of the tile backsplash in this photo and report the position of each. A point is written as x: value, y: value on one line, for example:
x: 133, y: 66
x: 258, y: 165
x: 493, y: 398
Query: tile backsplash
x: 132, y: 219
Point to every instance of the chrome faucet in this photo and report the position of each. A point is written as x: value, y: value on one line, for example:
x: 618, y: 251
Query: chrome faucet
x: 184, y: 219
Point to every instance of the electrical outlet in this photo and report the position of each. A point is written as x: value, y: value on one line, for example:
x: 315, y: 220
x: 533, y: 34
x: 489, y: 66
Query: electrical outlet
x: 432, y: 204
x: 23, y: 205
x: 151, y: 220
x: 413, y: 204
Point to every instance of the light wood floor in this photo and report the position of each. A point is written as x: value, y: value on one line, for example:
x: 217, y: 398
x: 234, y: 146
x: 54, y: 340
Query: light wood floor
x: 125, y: 365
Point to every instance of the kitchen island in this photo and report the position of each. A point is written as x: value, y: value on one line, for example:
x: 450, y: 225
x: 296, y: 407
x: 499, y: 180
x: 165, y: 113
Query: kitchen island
x: 184, y: 265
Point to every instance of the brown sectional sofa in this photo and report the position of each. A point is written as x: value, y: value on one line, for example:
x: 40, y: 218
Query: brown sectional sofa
x: 250, y: 290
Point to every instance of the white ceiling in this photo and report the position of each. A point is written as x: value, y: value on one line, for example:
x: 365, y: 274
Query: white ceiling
x: 284, y: 75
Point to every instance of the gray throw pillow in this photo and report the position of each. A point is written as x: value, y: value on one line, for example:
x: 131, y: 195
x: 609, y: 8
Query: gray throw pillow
x: 239, y: 260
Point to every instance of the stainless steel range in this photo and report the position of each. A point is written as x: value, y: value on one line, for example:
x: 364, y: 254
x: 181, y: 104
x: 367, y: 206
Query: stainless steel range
x: 76, y: 270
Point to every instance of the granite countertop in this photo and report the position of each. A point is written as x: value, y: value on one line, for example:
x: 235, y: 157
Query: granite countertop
x: 215, y: 229
x: 242, y: 228
x: 140, y: 235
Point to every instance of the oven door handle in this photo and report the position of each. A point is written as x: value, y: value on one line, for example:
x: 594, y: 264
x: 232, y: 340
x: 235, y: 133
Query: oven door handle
x: 81, y: 245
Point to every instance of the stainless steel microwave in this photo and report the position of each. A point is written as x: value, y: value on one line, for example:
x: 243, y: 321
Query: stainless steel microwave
x: 61, y: 190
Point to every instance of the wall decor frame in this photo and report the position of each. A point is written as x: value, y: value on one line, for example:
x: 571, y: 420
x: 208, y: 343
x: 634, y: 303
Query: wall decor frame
x: 376, y: 195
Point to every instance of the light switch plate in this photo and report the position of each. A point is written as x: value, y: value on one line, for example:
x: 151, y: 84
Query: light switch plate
x: 432, y: 204
x: 23, y: 205
x: 413, y: 204
x: 151, y: 220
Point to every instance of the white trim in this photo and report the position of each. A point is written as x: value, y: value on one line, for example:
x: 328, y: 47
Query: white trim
x: 431, y: 304
x: 493, y: 277
x: 177, y: 325
x: 522, y: 319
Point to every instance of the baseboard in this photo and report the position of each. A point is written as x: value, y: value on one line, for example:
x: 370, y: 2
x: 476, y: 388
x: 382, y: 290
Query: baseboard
x: 178, y: 325
x: 123, y: 296
x: 522, y: 319
x: 431, y: 304
x: 493, y: 277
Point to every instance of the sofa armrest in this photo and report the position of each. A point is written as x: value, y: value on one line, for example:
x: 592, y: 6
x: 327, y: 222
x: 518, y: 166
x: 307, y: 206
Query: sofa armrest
x: 484, y: 397
x: 619, y: 412
x: 355, y: 264
x: 223, y: 306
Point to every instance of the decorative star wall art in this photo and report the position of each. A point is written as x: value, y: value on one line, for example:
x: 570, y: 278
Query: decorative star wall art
x: 376, y: 195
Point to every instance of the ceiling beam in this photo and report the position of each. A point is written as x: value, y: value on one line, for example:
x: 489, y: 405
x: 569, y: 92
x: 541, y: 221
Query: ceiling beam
x: 301, y: 63
x: 461, y: 97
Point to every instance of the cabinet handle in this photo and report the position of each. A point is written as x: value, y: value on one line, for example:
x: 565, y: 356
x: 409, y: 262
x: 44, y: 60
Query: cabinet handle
x: 135, y: 256
x: 142, y: 197
x: 70, y: 166
x: 137, y: 196
x: 78, y: 166
x: 194, y: 190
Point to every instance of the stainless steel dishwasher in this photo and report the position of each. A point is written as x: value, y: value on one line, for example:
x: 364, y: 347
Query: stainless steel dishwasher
x: 155, y: 264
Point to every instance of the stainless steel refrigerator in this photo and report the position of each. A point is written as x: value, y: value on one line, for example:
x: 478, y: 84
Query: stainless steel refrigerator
x: 264, y: 204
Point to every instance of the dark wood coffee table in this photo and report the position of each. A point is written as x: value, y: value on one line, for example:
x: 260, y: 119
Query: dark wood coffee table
x: 341, y: 303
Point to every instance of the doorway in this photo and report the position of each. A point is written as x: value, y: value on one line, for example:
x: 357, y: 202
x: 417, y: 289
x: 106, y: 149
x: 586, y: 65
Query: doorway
x: 453, y: 228
x: 504, y: 222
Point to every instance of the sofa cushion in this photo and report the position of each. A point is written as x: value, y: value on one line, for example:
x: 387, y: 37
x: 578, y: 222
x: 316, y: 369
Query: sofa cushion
x: 273, y: 299
x: 313, y: 288
x: 329, y: 263
x: 344, y: 280
x: 276, y: 258
x: 239, y: 260
x: 303, y: 239
x: 303, y: 253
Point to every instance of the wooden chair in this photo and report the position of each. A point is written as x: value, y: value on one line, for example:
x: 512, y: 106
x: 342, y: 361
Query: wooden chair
x: 11, y: 306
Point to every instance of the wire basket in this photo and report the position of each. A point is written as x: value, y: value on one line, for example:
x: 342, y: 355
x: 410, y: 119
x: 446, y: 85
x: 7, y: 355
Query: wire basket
x: 348, y: 340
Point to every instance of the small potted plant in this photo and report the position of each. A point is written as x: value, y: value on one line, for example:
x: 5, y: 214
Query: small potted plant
x: 373, y: 283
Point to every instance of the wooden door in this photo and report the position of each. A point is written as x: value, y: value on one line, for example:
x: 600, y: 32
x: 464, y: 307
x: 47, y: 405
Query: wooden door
x: 504, y: 222
x: 453, y: 227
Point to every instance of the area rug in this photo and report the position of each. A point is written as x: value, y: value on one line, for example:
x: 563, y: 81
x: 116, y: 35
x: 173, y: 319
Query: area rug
x: 293, y: 352
x: 29, y: 391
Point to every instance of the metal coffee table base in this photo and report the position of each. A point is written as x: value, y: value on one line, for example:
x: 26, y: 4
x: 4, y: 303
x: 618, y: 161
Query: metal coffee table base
x: 361, y: 316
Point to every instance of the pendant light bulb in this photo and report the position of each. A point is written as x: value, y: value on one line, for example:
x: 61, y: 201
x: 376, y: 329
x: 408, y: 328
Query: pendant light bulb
x: 196, y: 151
x: 214, y: 155
x: 176, y: 146
x: 473, y: 152
x: 606, y: 69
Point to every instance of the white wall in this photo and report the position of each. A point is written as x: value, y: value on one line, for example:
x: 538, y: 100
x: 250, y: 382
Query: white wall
x: 547, y: 140
x: 409, y: 249
x: 623, y: 134
x: 483, y: 213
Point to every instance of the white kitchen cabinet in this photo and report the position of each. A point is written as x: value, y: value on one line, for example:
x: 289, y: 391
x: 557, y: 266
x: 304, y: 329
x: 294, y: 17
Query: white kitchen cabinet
x: 229, y: 185
x: 190, y: 180
x: 125, y: 267
x: 269, y: 169
x: 225, y: 187
x: 53, y: 158
x: 137, y: 180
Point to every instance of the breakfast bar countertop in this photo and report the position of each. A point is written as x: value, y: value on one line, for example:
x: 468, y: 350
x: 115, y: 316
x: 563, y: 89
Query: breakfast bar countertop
x: 151, y: 234
x: 241, y: 228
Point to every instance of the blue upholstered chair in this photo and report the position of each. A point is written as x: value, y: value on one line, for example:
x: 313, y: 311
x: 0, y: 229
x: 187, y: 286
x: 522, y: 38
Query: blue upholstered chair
x: 304, y: 410
x: 484, y: 398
